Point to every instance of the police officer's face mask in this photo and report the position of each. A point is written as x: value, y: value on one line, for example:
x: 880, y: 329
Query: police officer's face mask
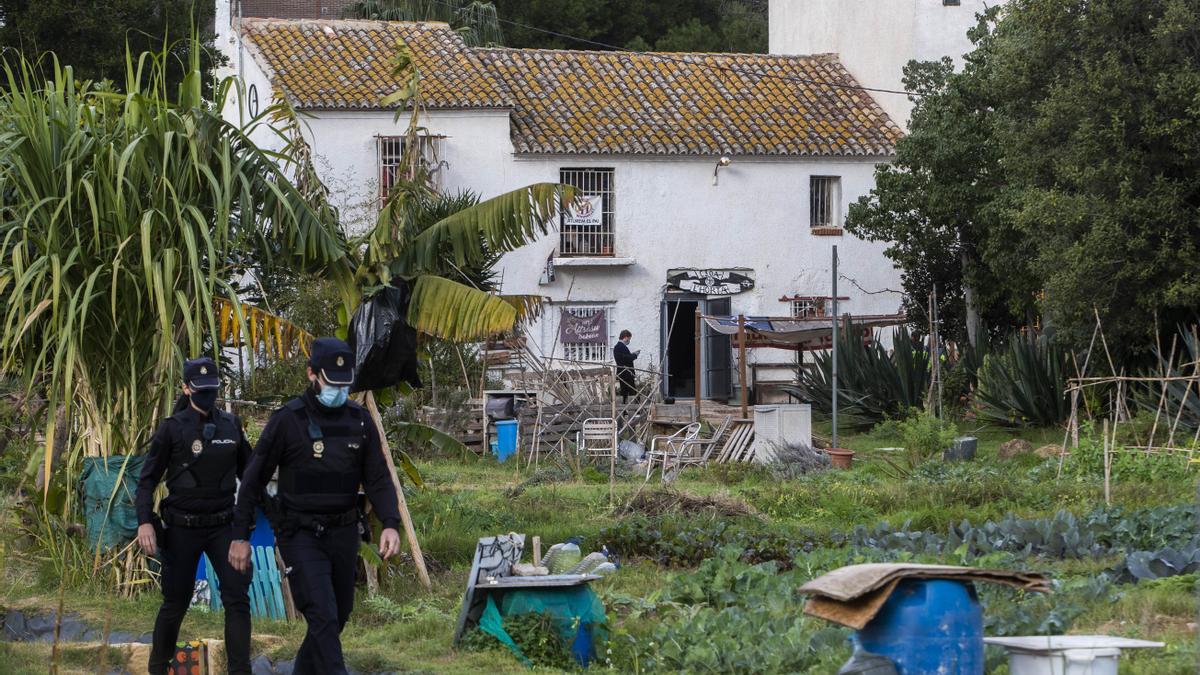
x: 331, y: 396
x: 204, y: 399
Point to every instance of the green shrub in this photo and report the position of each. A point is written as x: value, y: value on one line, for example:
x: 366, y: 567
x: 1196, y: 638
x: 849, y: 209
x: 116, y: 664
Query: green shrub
x: 925, y: 436
x: 1025, y: 384
x: 535, y: 634
x: 872, y: 385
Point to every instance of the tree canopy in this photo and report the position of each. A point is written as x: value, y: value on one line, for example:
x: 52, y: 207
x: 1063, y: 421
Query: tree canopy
x: 92, y: 36
x: 642, y: 25
x: 1058, y: 171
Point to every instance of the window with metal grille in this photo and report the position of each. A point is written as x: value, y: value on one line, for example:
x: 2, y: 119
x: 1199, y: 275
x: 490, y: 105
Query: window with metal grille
x: 391, y: 160
x: 597, y: 353
x: 809, y: 308
x: 823, y: 194
x: 578, y: 238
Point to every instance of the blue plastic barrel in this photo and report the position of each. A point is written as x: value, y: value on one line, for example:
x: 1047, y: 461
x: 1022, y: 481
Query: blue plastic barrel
x: 506, y: 439
x: 929, y: 626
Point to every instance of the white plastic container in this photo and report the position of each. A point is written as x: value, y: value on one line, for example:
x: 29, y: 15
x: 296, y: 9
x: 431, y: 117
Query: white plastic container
x: 1066, y: 654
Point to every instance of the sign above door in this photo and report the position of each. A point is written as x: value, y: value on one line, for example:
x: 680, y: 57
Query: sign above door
x: 711, y: 281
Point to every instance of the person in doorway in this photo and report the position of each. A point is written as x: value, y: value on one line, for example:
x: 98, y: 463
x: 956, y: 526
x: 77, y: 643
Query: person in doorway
x: 201, y: 450
x: 324, y: 447
x: 624, y: 358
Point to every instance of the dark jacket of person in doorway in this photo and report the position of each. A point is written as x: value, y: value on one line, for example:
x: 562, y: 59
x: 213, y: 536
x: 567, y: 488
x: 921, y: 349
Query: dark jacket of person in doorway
x: 625, y: 358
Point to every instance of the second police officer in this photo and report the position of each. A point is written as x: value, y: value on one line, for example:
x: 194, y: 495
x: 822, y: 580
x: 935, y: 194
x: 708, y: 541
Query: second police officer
x: 201, y: 451
x: 324, y: 447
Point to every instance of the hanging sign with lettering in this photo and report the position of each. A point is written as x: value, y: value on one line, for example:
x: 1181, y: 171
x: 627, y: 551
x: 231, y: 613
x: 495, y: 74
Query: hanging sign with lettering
x: 591, y: 330
x: 710, y: 282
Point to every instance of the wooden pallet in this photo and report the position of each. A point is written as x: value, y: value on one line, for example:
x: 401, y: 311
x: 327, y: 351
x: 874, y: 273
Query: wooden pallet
x: 737, y: 441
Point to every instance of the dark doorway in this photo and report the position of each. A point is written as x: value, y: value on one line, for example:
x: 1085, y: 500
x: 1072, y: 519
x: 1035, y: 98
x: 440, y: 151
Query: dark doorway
x: 679, y: 319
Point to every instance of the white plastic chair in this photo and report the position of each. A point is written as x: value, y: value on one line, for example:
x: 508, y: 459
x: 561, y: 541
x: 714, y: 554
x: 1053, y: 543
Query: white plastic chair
x: 663, y: 448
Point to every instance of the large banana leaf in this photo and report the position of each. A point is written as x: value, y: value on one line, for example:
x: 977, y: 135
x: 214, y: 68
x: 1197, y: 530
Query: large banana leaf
x: 451, y: 311
x: 497, y: 225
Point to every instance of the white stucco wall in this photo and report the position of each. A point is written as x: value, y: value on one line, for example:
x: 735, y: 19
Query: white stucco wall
x: 667, y: 215
x: 875, y: 38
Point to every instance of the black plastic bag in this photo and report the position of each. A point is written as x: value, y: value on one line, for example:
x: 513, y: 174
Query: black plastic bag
x: 385, y: 346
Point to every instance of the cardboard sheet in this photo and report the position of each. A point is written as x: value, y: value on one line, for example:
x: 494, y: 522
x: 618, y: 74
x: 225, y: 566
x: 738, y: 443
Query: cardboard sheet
x: 852, y: 596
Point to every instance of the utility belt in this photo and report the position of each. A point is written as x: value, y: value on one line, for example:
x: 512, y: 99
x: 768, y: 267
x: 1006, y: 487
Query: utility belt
x: 181, y: 519
x: 317, y: 523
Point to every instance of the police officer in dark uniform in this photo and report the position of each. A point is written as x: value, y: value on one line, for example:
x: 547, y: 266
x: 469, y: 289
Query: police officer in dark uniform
x: 202, y: 451
x: 324, y: 447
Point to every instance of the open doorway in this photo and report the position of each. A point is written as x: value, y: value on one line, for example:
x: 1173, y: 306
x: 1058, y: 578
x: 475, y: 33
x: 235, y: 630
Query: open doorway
x: 679, y: 353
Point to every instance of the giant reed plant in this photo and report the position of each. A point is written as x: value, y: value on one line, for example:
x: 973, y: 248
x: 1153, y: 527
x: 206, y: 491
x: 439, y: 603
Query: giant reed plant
x: 122, y: 216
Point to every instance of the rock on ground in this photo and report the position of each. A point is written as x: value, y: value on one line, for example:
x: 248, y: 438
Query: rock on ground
x: 1047, y: 451
x: 1014, y: 448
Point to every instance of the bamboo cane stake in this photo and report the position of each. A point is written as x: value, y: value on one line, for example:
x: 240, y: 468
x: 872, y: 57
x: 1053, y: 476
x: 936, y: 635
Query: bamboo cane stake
x: 1107, y: 468
x: 409, y: 532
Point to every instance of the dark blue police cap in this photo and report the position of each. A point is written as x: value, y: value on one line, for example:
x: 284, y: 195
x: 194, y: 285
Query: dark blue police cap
x: 201, y: 373
x: 333, y: 360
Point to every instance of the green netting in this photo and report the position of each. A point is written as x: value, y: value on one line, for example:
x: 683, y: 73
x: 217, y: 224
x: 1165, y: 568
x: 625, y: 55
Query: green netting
x: 578, y: 616
x: 109, y: 484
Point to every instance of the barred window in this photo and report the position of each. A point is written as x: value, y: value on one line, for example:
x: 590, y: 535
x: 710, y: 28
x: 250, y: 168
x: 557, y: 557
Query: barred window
x: 809, y: 308
x: 595, y: 353
x: 391, y: 160
x: 823, y: 196
x: 582, y: 233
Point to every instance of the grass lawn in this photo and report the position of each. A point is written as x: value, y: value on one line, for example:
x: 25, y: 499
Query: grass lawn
x: 678, y: 587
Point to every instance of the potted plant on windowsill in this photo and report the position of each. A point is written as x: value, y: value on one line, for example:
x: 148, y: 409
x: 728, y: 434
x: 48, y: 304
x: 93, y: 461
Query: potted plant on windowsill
x: 606, y: 250
x: 840, y: 458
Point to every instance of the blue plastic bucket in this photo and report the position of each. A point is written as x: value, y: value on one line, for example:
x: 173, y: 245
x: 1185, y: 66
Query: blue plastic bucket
x: 928, y: 626
x: 506, y: 439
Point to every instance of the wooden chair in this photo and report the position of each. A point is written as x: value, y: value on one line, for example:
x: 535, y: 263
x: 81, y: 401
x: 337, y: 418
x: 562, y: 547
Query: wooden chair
x: 663, y: 448
x: 598, y: 438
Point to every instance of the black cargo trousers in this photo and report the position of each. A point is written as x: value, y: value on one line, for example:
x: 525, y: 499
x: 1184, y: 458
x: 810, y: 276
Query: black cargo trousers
x: 180, y: 549
x: 321, y: 570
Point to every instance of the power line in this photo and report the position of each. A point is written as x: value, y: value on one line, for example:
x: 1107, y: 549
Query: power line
x: 666, y: 56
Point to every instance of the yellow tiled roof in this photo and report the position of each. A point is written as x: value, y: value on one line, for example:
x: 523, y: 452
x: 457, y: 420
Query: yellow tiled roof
x: 688, y: 104
x: 581, y: 102
x: 348, y: 64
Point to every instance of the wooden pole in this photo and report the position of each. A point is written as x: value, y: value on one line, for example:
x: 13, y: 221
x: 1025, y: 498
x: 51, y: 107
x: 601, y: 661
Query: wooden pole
x: 1107, y: 467
x: 696, y: 413
x: 742, y: 359
x: 409, y: 532
x: 833, y: 403
x: 612, y: 460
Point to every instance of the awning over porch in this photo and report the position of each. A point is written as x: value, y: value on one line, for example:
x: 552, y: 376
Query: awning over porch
x: 798, y: 333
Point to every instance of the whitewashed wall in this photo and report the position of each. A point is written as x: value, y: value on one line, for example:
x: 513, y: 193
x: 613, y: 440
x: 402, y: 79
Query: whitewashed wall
x: 667, y: 215
x: 875, y: 38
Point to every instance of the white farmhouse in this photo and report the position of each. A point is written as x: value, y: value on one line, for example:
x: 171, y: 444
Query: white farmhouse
x: 643, y: 135
x: 875, y: 39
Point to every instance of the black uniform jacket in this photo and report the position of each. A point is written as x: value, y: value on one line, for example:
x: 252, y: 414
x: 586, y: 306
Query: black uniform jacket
x: 287, y: 440
x: 172, y: 447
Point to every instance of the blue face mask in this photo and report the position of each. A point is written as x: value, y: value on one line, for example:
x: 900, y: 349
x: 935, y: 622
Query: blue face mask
x: 333, y: 397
